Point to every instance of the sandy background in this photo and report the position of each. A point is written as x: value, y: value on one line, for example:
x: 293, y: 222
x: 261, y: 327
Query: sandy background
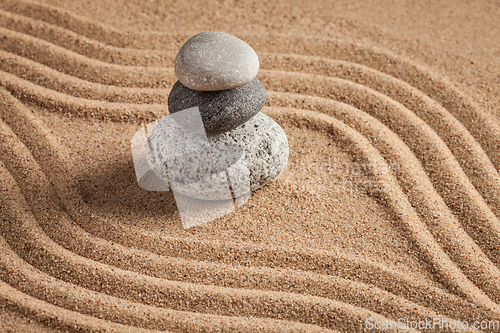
x: 389, y: 207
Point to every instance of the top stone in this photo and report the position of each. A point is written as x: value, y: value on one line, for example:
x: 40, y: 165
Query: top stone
x: 212, y: 60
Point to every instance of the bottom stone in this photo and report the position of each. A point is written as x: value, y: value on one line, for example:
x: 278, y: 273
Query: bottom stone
x: 264, y: 145
x: 246, y: 158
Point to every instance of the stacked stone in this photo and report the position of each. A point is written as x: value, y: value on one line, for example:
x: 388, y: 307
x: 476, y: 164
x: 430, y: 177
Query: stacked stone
x: 217, y: 73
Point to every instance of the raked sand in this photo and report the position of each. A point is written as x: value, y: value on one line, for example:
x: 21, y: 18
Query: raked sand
x: 389, y: 207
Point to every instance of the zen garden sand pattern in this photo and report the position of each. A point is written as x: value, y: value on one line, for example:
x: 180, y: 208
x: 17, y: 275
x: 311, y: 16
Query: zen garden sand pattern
x: 388, y: 208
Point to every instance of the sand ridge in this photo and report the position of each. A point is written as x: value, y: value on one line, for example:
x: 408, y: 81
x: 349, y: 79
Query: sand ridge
x: 412, y: 234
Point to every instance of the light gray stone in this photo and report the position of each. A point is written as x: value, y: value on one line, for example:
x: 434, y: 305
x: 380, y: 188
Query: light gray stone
x: 212, y: 60
x: 246, y: 158
x: 221, y: 110
x: 264, y: 145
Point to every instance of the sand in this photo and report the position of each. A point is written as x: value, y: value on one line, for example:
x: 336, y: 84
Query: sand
x: 389, y: 207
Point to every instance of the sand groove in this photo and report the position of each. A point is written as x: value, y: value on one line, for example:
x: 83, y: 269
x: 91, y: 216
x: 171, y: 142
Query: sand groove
x: 82, y: 44
x: 93, y: 30
x: 436, y: 171
x: 55, y: 256
x: 82, y: 67
x: 465, y: 148
x: 413, y: 179
x: 441, y: 166
x: 484, y: 128
x: 144, y: 289
x: 60, y: 260
x: 54, y: 80
x: 76, y: 106
x: 48, y: 250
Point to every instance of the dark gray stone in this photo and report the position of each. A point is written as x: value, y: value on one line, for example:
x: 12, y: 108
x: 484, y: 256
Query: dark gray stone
x: 222, y: 110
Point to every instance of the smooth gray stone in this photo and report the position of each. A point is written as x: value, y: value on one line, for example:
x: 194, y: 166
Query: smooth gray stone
x: 246, y: 158
x: 221, y: 110
x: 213, y: 60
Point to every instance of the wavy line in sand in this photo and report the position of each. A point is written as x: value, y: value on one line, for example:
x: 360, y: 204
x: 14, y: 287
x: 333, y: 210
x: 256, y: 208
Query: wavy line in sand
x: 63, y: 261
x: 425, y: 84
x: 88, y: 273
x: 51, y: 79
x: 406, y: 124
x: 451, y: 99
x: 481, y: 125
x: 413, y: 180
x: 472, y: 153
x: 463, y: 145
x: 438, y: 161
x: 75, y: 64
x: 65, y: 295
x: 79, y: 107
x: 83, y: 45
x: 490, y: 242
x: 66, y: 19
x: 94, y: 30
x: 57, y: 316
x: 35, y: 94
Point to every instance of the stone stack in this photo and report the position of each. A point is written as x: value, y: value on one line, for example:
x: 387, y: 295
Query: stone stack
x: 217, y: 73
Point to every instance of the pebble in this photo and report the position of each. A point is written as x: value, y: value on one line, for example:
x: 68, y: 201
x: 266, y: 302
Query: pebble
x: 256, y: 152
x: 212, y: 60
x: 221, y: 110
